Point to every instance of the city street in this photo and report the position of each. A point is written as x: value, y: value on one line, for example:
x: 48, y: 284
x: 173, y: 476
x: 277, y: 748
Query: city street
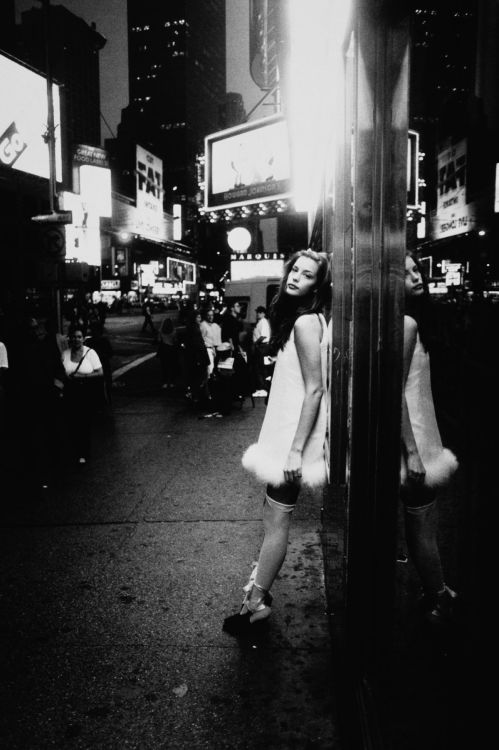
x: 116, y: 585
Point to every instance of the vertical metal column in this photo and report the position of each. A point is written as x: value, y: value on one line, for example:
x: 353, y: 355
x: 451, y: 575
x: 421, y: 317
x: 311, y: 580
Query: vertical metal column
x: 366, y: 233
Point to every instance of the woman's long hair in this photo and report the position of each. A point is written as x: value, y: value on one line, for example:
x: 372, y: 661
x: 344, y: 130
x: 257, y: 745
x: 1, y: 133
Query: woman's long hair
x: 419, y: 308
x: 285, y: 309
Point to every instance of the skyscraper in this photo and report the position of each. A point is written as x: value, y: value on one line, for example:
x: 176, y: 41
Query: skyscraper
x: 176, y: 83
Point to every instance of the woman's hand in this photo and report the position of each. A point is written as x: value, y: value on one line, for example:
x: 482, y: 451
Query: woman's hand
x: 415, y: 470
x: 292, y: 467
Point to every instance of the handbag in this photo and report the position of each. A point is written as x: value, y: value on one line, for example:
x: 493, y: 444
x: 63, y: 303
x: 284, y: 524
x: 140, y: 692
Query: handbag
x: 226, y: 364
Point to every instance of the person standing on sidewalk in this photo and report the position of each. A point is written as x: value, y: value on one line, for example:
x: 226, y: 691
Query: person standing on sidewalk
x: 232, y: 325
x: 290, y: 450
x: 82, y: 365
x: 212, y: 337
x: 261, y: 339
x: 426, y: 465
x: 167, y: 353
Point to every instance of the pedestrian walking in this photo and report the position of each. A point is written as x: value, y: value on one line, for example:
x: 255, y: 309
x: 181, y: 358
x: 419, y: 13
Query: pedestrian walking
x: 147, y: 311
x: 426, y: 464
x: 290, y: 449
x: 82, y: 366
x: 167, y: 353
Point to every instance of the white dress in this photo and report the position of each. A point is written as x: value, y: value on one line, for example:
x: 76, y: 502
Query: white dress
x: 439, y: 462
x: 266, y: 458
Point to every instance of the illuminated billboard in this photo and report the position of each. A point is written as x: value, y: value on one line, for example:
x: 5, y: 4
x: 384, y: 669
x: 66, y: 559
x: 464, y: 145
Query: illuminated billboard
x: 23, y: 120
x: 413, y: 169
x: 83, y: 238
x: 180, y: 271
x: 149, y: 171
x: 248, y: 164
x: 454, y: 215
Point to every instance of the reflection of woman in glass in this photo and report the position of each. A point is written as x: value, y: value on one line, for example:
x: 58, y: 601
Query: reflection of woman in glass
x: 290, y: 449
x: 426, y: 465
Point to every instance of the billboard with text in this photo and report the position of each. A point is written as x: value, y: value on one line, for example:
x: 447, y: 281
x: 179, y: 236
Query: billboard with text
x: 149, y: 172
x: 248, y: 164
x: 453, y: 215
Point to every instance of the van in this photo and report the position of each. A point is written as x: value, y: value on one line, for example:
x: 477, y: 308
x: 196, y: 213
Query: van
x: 251, y: 293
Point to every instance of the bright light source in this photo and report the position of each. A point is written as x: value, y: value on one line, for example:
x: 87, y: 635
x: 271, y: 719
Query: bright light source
x: 316, y: 80
x: 124, y: 236
x: 177, y: 221
x: 239, y: 239
x: 95, y: 189
x: 482, y: 232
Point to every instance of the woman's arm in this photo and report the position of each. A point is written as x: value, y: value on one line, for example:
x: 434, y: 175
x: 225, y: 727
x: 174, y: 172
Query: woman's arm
x: 415, y: 469
x: 307, y: 332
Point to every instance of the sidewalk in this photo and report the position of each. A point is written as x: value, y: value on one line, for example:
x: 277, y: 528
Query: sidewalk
x: 116, y: 587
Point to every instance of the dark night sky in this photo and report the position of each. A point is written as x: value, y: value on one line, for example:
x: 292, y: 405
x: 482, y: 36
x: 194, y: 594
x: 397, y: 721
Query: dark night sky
x: 110, y: 20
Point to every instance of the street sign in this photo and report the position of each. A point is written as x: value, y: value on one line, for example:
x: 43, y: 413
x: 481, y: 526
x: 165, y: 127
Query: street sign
x: 56, y: 217
x: 54, y: 242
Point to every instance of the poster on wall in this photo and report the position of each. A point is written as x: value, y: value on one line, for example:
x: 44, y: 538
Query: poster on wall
x: 23, y: 120
x: 248, y: 164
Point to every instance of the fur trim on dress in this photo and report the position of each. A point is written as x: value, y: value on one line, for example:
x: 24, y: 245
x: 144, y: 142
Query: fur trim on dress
x: 269, y: 470
x: 438, y: 471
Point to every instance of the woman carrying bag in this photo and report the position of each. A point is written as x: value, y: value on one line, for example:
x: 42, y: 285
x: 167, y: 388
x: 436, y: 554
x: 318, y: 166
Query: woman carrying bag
x: 83, y: 370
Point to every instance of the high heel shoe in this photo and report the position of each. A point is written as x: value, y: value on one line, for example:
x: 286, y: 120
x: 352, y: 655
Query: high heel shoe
x: 253, y: 615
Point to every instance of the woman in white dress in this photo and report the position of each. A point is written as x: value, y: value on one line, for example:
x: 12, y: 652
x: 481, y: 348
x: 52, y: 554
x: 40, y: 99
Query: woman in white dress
x: 426, y: 464
x: 290, y: 449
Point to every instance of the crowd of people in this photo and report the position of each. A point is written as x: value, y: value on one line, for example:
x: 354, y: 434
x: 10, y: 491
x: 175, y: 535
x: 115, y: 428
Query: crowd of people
x: 52, y: 384
x: 215, y: 359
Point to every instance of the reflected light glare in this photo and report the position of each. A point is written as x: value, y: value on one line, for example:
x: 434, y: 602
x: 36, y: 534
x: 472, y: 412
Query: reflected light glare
x: 317, y: 33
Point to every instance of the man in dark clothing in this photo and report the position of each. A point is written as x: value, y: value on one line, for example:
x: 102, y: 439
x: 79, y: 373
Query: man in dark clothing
x: 232, y: 325
x: 37, y: 386
x: 101, y: 344
x: 147, y: 312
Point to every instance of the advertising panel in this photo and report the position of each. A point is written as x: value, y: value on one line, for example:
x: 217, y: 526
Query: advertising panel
x: 149, y: 170
x: 180, y: 271
x: 454, y: 215
x: 23, y: 120
x: 83, y: 238
x: 248, y: 164
x: 413, y: 169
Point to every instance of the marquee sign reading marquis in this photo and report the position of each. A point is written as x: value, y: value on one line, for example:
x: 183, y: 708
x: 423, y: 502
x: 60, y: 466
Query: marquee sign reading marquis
x: 23, y: 120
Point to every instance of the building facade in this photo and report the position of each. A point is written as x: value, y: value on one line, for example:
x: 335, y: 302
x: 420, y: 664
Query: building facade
x: 176, y: 83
